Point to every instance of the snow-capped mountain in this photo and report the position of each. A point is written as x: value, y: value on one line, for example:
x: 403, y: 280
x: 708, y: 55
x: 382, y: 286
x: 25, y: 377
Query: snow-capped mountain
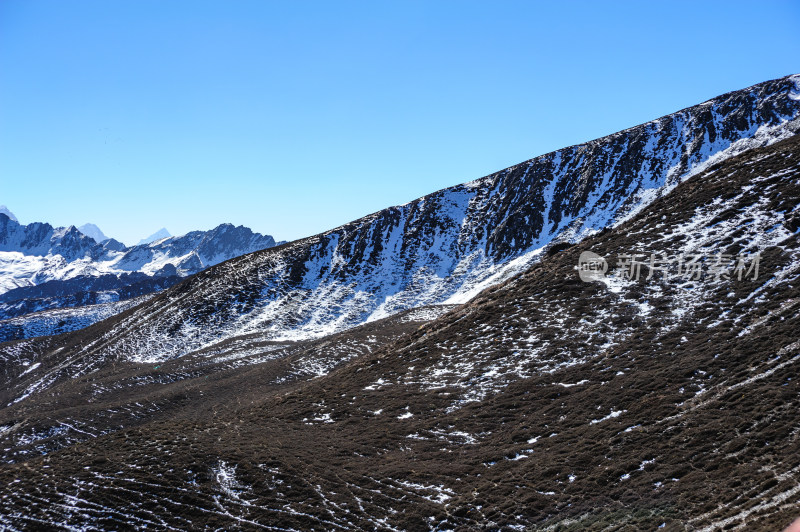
x: 449, y: 245
x: 42, y: 239
x: 665, y: 400
x: 4, y: 210
x: 92, y: 231
x: 42, y: 267
x: 158, y: 235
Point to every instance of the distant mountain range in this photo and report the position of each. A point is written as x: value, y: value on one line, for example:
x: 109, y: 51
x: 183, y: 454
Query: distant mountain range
x: 44, y: 267
x: 92, y: 231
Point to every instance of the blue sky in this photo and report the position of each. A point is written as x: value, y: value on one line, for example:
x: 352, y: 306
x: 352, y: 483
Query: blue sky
x: 295, y: 117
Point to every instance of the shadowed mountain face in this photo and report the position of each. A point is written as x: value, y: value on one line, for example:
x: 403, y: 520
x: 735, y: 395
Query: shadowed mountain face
x: 664, y: 400
x: 43, y: 239
x: 4, y: 210
x: 447, y: 246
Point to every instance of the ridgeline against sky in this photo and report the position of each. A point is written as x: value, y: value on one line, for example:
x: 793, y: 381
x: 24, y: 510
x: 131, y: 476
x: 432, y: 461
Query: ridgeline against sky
x: 291, y: 119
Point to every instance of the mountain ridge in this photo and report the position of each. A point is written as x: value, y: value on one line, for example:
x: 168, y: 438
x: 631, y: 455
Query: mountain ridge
x: 448, y: 245
x: 72, y: 269
x: 645, y: 161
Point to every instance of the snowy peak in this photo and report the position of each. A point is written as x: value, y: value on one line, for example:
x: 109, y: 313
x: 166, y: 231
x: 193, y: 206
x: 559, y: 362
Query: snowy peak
x: 4, y: 210
x: 41, y: 239
x: 70, y: 263
x: 158, y: 235
x: 113, y: 245
x: 92, y: 231
x: 72, y: 244
x: 194, y: 251
x: 212, y: 246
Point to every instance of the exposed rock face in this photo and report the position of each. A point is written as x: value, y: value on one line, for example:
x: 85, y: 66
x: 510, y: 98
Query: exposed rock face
x: 447, y: 246
x: 43, y: 239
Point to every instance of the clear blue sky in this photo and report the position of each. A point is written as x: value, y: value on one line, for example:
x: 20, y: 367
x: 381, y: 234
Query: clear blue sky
x: 294, y: 117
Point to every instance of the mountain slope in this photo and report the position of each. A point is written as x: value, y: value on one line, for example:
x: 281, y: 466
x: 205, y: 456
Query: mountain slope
x: 545, y: 403
x: 447, y: 246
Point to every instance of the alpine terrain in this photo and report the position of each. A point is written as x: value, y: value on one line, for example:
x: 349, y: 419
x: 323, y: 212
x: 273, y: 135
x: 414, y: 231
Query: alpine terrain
x: 43, y: 268
x: 600, y: 338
